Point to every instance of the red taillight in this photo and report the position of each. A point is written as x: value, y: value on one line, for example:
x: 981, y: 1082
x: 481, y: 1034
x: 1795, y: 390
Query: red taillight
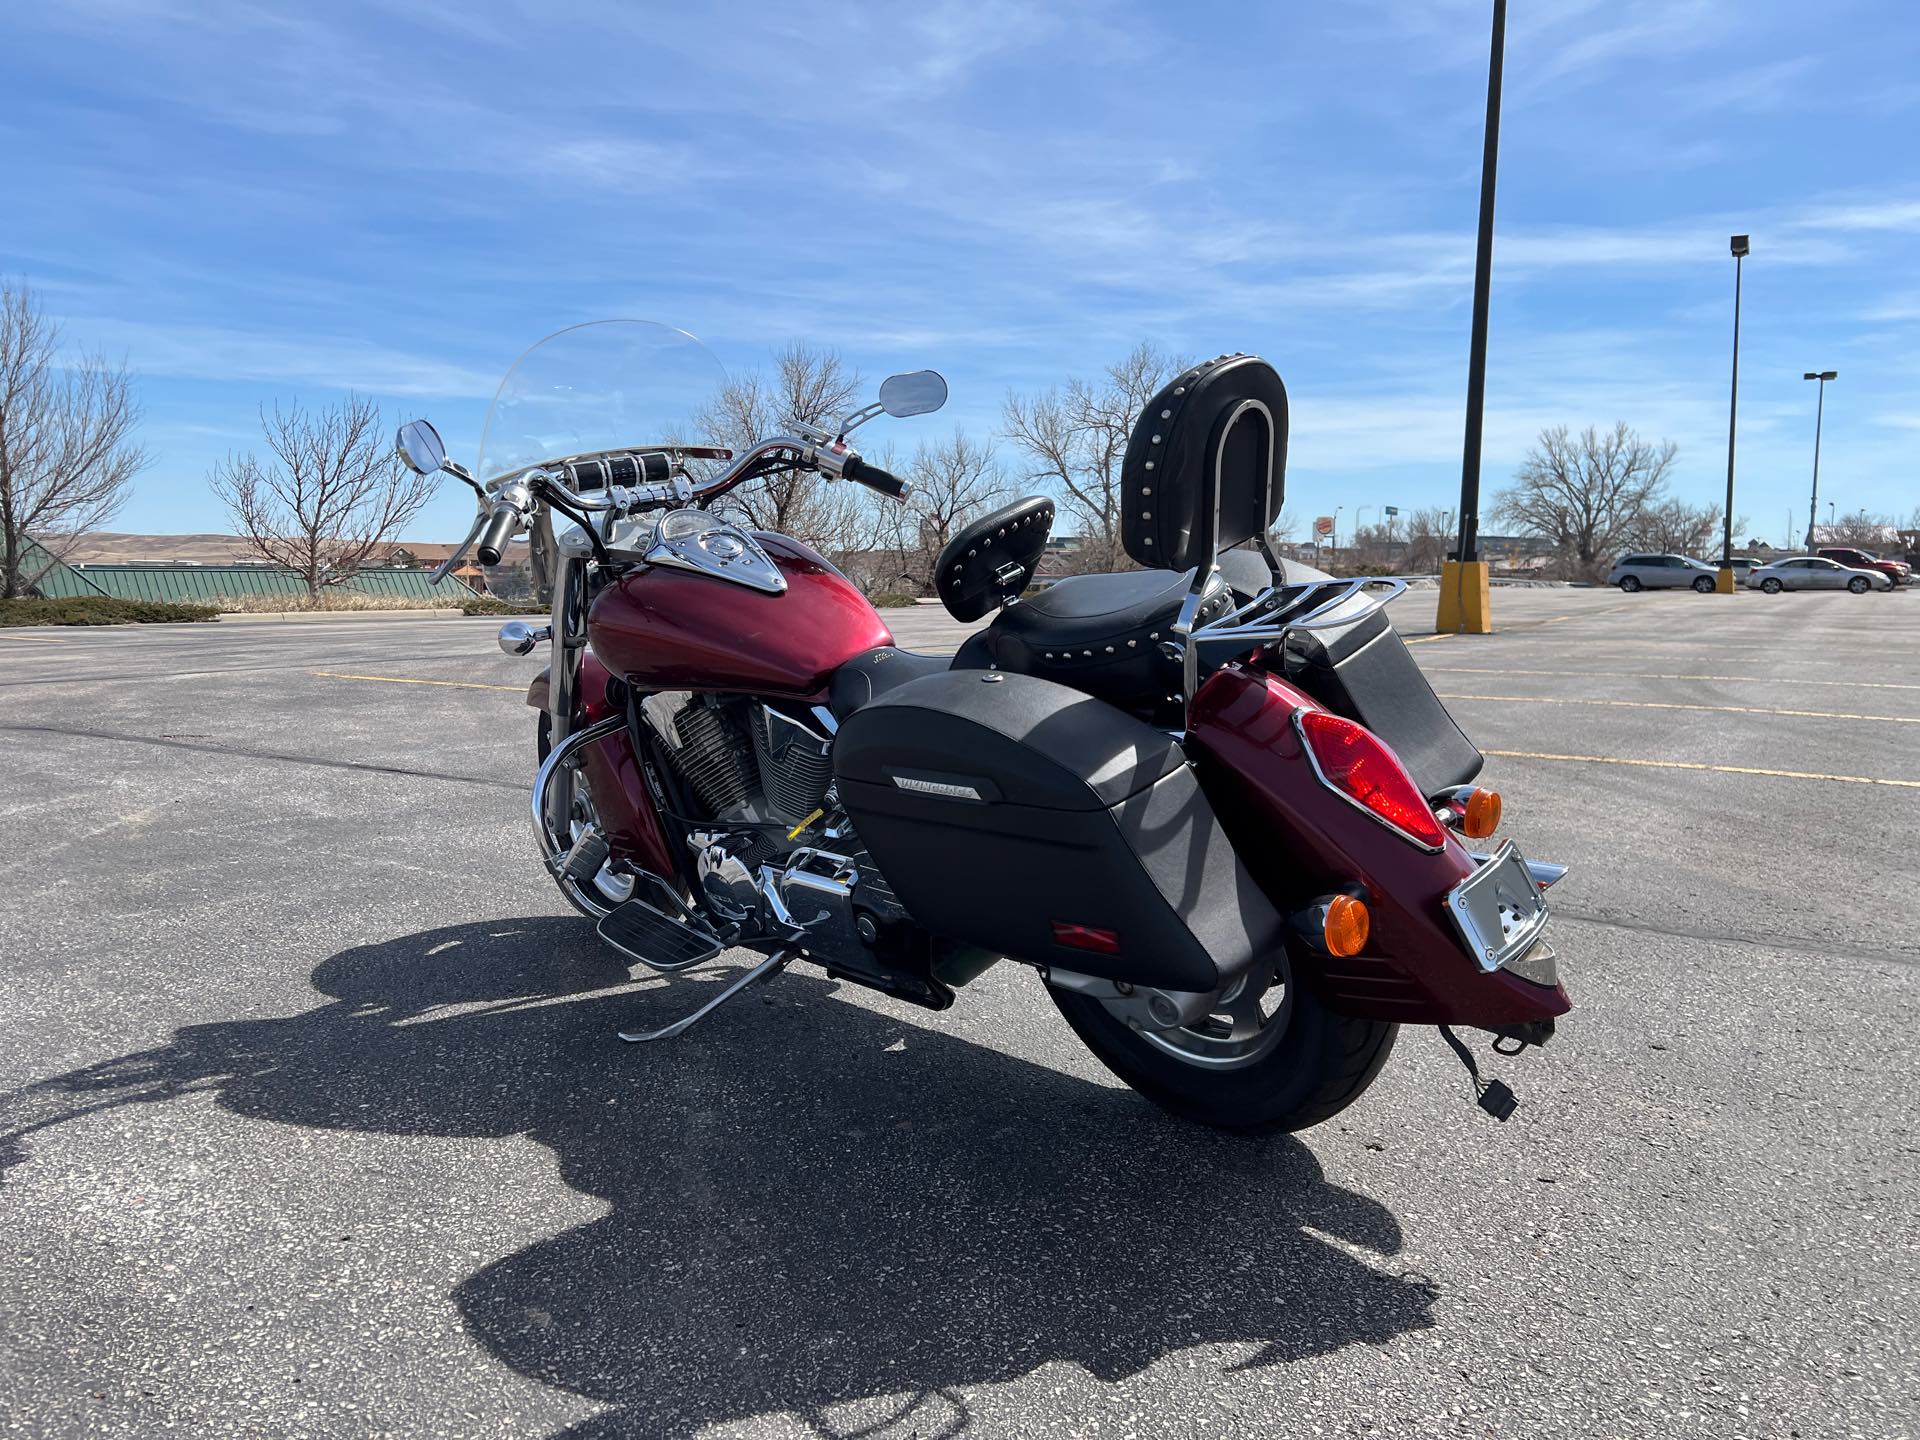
x: 1086, y: 937
x: 1354, y: 762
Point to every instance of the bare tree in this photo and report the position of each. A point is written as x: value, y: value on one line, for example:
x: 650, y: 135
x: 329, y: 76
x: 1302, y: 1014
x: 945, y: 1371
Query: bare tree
x: 67, y: 457
x: 954, y: 481
x: 814, y: 386
x: 1430, y: 537
x: 1584, y: 494
x: 1673, y: 527
x: 1863, y: 530
x: 328, y: 496
x: 1075, y: 437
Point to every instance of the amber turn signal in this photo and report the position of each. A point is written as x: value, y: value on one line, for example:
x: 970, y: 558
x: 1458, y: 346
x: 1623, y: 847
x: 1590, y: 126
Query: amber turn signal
x: 1345, y: 926
x: 1481, y: 816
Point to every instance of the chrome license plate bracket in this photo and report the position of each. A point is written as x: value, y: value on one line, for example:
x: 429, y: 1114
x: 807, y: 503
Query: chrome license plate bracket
x: 1498, y: 910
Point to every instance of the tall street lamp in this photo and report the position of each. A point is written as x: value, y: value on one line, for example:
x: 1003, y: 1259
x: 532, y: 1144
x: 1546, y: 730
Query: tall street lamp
x: 1819, y: 416
x: 1726, y: 586
x: 1464, y: 588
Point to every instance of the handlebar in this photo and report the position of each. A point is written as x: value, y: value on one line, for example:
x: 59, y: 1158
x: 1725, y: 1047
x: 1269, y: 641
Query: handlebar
x: 874, y: 478
x: 628, y: 483
x: 493, y: 539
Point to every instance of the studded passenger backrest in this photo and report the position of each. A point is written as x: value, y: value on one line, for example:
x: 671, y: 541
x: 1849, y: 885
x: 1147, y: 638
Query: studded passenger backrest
x: 1221, y: 425
x: 993, y: 559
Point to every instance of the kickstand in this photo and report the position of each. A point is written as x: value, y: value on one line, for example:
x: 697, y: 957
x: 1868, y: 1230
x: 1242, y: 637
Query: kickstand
x: 1493, y: 1096
x: 765, y: 970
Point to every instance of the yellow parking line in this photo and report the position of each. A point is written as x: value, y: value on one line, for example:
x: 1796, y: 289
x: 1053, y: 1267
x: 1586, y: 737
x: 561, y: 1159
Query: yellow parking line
x: 409, y: 680
x: 1696, y: 765
x: 1513, y: 670
x: 1428, y: 639
x: 37, y: 639
x: 1675, y: 705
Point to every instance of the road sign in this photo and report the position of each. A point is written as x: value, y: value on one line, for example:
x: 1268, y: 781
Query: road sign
x: 1392, y: 510
x: 1323, y: 525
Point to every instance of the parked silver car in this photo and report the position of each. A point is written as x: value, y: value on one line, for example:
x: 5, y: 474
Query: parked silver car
x: 1662, y: 572
x: 1810, y: 572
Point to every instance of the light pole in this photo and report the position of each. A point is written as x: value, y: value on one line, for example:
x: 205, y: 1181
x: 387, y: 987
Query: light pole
x: 1819, y: 417
x: 1464, y: 592
x: 1738, y: 244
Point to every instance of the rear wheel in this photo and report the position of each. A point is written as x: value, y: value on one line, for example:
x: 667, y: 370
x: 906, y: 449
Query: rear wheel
x: 1629, y: 583
x: 1703, y: 585
x: 1271, y: 1058
x: 1859, y: 584
x: 1770, y: 585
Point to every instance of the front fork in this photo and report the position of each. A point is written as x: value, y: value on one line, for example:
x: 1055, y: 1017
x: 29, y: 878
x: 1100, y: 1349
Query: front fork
x: 562, y: 578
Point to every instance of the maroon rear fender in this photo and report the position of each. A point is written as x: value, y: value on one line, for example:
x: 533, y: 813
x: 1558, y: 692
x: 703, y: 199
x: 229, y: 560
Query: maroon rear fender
x: 1301, y: 840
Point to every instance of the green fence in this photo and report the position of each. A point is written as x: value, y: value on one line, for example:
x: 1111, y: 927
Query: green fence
x: 209, y: 584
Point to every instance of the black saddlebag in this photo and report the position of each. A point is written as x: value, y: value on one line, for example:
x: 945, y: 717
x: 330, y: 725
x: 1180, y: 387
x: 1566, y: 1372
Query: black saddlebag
x: 1363, y: 670
x: 1036, y: 822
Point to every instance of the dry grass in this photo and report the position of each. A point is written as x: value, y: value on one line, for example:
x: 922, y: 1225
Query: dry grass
x: 338, y: 600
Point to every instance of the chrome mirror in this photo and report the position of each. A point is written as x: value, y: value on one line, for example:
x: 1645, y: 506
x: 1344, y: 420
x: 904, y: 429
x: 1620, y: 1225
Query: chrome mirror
x: 919, y: 392
x: 419, y: 445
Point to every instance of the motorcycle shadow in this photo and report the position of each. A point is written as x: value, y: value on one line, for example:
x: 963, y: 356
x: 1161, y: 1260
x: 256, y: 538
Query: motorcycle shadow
x: 813, y: 1207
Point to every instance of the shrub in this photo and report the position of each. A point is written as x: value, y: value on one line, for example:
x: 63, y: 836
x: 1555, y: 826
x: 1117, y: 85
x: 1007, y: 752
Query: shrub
x: 330, y: 600
x: 892, y: 600
x: 488, y: 605
x: 100, y: 610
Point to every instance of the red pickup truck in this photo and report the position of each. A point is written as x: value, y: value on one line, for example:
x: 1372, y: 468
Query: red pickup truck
x: 1898, y: 571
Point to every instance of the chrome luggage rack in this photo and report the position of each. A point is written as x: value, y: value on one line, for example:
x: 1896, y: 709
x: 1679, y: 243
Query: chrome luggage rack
x: 1270, y: 616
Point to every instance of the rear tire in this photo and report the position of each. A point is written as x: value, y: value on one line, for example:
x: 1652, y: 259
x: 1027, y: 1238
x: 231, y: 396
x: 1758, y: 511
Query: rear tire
x: 1859, y: 585
x: 1630, y: 583
x: 1770, y: 586
x: 1316, y: 1068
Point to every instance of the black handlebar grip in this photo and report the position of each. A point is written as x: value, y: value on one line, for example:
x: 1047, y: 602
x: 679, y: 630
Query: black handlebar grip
x: 494, y: 538
x: 874, y: 478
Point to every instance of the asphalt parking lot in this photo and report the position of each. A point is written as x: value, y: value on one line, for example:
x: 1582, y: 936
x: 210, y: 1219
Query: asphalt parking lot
x: 312, y: 1121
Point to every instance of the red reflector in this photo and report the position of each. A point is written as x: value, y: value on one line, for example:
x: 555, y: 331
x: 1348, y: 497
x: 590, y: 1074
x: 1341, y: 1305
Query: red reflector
x: 1355, y: 762
x: 1086, y: 937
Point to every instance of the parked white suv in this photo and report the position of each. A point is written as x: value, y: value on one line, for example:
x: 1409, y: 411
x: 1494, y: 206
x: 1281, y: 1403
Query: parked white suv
x: 1662, y: 572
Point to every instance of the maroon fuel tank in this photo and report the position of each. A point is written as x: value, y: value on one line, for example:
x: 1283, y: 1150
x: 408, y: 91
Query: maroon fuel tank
x: 669, y: 629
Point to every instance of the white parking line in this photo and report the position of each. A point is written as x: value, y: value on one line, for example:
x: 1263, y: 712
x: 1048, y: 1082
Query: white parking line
x: 1696, y: 765
x: 409, y: 680
x: 1675, y: 705
x: 1511, y: 671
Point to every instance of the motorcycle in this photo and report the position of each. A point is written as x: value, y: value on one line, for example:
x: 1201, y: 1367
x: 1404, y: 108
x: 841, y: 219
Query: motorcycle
x: 1211, y: 801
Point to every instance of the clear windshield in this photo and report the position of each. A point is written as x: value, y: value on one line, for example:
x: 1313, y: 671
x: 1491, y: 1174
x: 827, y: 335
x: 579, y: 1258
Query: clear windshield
x: 606, y: 385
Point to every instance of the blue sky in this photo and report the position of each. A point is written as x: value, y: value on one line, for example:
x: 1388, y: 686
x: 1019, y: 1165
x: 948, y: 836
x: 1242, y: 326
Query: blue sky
x: 254, y: 202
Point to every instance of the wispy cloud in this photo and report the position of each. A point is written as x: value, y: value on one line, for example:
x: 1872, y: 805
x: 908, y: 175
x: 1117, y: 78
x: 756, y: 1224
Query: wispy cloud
x: 317, y: 361
x: 1873, y: 215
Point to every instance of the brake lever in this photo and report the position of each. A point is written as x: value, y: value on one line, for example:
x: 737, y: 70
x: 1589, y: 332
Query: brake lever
x: 452, y: 562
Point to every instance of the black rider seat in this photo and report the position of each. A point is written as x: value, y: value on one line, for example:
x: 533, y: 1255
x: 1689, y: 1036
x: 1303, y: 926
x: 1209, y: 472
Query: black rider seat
x: 872, y: 673
x: 1100, y: 634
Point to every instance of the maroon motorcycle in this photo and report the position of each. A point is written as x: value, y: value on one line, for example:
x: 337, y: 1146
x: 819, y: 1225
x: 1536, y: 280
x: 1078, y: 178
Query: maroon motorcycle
x: 1212, y: 801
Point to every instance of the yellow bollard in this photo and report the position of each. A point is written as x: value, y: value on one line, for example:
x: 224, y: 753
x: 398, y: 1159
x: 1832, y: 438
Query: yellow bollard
x: 1726, y: 584
x: 1466, y: 598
